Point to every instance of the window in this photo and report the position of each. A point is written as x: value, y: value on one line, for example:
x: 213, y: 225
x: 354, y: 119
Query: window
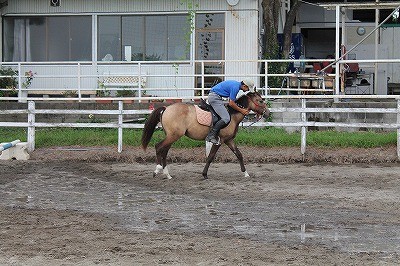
x: 57, y: 38
x: 143, y: 38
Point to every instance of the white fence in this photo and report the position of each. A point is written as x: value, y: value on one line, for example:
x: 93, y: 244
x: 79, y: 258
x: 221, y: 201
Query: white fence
x: 183, y: 79
x: 32, y: 111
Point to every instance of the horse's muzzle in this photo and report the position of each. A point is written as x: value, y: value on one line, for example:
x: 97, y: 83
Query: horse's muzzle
x: 266, y: 113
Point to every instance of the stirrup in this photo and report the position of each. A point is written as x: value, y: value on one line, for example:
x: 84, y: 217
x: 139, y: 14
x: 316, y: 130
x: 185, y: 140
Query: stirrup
x: 218, y: 141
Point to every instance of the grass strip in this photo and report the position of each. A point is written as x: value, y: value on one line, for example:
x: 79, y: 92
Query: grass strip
x: 266, y: 137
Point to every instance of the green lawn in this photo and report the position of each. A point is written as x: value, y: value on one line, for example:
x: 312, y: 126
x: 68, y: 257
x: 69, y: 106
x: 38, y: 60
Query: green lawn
x: 268, y: 137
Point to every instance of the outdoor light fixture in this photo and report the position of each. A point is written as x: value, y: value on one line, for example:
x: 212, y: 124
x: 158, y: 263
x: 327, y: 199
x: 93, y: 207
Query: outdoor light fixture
x: 361, y: 31
x: 55, y: 3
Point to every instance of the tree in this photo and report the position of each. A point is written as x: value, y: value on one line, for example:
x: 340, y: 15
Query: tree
x: 271, y: 15
x: 287, y: 29
x: 271, y: 11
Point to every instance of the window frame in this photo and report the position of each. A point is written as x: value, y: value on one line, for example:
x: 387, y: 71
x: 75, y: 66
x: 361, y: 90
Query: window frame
x: 188, y: 55
x: 45, y: 44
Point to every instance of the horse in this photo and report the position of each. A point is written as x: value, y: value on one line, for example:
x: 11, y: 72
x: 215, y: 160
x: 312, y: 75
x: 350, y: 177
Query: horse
x: 180, y: 119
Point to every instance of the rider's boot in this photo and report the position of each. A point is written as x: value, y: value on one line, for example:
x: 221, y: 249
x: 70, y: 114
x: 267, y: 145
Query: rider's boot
x: 214, y: 132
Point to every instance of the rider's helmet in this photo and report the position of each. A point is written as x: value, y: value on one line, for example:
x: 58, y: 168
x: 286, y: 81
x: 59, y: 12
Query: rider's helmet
x: 249, y: 83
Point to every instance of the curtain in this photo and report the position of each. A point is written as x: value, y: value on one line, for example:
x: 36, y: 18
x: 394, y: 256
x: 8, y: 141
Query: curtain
x: 22, y: 47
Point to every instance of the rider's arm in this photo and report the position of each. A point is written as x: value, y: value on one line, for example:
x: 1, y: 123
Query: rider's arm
x: 237, y: 108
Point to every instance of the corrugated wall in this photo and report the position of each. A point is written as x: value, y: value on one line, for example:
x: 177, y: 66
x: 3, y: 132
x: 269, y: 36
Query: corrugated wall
x: 123, y: 6
x: 241, y: 43
x: 390, y: 48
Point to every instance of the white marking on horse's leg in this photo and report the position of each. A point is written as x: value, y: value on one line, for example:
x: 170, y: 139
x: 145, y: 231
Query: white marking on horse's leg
x: 246, y: 174
x: 166, y: 172
x: 158, y: 169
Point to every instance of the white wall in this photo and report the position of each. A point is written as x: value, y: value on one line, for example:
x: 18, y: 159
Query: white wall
x: 391, y: 50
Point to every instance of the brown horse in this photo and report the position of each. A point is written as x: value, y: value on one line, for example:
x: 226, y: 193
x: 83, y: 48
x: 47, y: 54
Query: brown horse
x: 180, y: 119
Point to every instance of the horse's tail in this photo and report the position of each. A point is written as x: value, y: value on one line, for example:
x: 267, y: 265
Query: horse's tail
x: 150, y: 126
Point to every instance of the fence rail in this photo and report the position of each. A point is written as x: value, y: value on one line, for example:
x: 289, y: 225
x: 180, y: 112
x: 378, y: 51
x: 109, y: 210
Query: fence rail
x: 180, y: 78
x: 302, y: 123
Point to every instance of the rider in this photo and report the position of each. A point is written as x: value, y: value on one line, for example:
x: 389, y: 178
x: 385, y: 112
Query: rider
x: 229, y: 89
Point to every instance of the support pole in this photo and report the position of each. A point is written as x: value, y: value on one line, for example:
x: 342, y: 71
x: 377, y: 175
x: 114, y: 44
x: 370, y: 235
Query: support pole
x: 337, y: 54
x: 31, y: 126
x: 120, y: 121
x: 303, y: 128
x: 398, y: 129
x: 377, y: 33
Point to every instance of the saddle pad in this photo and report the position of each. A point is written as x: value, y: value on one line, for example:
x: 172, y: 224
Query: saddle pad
x: 203, y: 117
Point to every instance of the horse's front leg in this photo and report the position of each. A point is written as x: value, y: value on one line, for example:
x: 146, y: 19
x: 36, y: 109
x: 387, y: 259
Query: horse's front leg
x: 210, y: 158
x: 232, y: 145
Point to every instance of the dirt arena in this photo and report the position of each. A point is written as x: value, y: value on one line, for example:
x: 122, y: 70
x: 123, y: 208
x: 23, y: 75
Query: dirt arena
x: 79, y: 206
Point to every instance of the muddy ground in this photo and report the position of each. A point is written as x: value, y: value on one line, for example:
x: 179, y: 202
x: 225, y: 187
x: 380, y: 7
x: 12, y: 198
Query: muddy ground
x: 78, y: 206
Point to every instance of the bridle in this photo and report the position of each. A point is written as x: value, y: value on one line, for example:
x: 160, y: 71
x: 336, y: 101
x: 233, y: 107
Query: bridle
x: 258, y: 105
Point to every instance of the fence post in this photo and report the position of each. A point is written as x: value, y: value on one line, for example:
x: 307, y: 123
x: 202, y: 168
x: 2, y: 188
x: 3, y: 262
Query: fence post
x: 303, y: 128
x: 120, y: 108
x: 266, y: 77
x: 398, y: 129
x: 22, y: 95
x: 140, y: 81
x: 79, y: 82
x: 31, y: 126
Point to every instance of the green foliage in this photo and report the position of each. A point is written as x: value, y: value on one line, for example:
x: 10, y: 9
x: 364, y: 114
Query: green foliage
x: 145, y: 57
x: 191, y: 7
x: 275, y: 68
x: 102, y: 91
x: 10, y: 82
x: 126, y: 93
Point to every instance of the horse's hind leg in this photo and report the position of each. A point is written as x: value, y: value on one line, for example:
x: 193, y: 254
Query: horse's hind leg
x: 210, y: 158
x: 162, y: 149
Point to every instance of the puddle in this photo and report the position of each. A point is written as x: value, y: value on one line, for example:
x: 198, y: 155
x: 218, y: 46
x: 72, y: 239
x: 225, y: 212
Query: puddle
x: 138, y: 209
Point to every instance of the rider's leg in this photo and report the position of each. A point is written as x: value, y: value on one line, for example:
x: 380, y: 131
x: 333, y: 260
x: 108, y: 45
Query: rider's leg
x: 219, y: 107
x: 214, y: 132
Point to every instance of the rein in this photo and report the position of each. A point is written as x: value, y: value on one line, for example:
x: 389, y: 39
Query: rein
x: 252, y: 123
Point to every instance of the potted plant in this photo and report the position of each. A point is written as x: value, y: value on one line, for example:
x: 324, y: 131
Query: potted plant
x: 126, y: 93
x: 70, y: 94
x: 8, y: 83
x: 102, y: 91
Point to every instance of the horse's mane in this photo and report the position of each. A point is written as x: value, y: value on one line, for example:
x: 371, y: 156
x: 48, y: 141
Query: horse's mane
x: 242, y: 101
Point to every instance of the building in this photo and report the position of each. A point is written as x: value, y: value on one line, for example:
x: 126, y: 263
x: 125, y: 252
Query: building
x: 177, y: 45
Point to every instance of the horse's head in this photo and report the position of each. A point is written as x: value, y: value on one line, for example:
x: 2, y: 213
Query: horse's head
x: 257, y: 104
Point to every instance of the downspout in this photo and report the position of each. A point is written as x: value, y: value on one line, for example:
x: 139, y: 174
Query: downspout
x: 337, y: 55
x: 377, y: 35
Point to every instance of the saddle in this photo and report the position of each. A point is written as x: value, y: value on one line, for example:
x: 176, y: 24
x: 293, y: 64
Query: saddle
x: 205, y: 114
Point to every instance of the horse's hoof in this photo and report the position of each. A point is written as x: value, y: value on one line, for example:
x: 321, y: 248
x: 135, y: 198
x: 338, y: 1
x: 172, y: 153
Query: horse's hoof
x: 246, y: 174
x: 205, y: 177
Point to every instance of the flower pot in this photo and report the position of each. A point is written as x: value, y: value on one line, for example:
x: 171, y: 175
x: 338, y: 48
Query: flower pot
x: 104, y: 101
x: 173, y: 100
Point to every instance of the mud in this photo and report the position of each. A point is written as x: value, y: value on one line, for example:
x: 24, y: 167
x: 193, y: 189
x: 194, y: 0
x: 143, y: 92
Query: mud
x: 93, y: 206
